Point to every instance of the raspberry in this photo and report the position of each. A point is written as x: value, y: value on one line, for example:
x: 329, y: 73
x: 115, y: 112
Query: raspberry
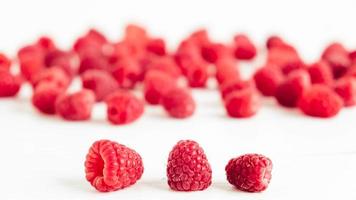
x: 346, y: 88
x: 100, y: 82
x: 178, y: 103
x: 286, y: 58
x: 45, y: 96
x: 288, y: 92
x: 165, y: 64
x: 244, y: 49
x: 232, y: 86
x: 267, y: 80
x: 93, y: 39
x: 320, y: 101
x: 123, y: 107
x: 136, y: 36
x: 9, y: 84
x: 352, y: 56
x: 31, y: 60
x: 92, y: 61
x: 156, y: 85
x: 77, y: 106
x: 127, y: 73
x: 320, y: 73
x: 5, y: 62
x: 212, y: 52
x: 156, y: 46
x: 188, y: 168
x: 197, y: 75
x: 243, y: 103
x: 110, y: 166
x: 54, y: 74
x: 226, y: 71
x: 274, y: 41
x: 338, y: 58
x: 249, y: 172
x: 46, y: 43
x: 67, y: 61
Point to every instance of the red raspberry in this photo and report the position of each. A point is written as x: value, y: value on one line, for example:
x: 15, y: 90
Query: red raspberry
x: 157, y: 84
x: 136, y: 36
x: 267, y: 80
x: 156, y: 46
x: 244, y: 48
x: 77, y: 106
x: 243, y: 103
x: 31, y: 60
x: 110, y: 166
x: 226, y: 71
x: 286, y: 58
x: 274, y: 41
x: 232, y: 86
x: 46, y: 43
x: 5, y: 62
x: 123, y: 107
x: 9, y: 84
x: 320, y: 73
x: 352, y: 56
x: 197, y: 75
x: 67, y: 61
x: 93, y: 39
x: 54, y: 75
x: 100, y: 82
x: 249, y: 172
x: 92, y: 61
x: 338, y: 58
x: 212, y: 52
x: 346, y: 88
x: 178, y: 103
x: 188, y: 168
x: 351, y: 71
x: 320, y: 101
x: 288, y: 93
x: 127, y: 73
x: 165, y: 64
x: 45, y: 96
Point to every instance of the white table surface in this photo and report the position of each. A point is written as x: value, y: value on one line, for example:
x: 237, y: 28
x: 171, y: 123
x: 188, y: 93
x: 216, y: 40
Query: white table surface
x: 43, y: 157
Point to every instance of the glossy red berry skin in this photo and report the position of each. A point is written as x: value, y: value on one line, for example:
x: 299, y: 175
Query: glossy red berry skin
x: 320, y: 101
x: 346, y: 88
x: 45, y: 95
x: 100, y: 82
x: 267, y: 79
x: 289, y: 92
x: 320, y: 73
x: 178, y: 103
x: 9, y: 84
x: 123, y: 107
x: 110, y: 166
x: 77, y: 106
x: 244, y: 49
x: 188, y: 168
x: 249, y: 172
x: 242, y: 104
x: 156, y: 85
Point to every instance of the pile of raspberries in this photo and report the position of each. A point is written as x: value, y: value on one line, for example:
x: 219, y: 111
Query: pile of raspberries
x: 110, y: 166
x: 110, y: 71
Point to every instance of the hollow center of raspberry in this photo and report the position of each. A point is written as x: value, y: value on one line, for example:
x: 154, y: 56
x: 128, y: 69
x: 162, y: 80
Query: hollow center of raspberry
x: 99, y: 167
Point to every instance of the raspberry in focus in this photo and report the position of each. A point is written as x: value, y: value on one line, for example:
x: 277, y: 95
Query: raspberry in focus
x: 249, y: 172
x: 188, y: 168
x: 110, y: 166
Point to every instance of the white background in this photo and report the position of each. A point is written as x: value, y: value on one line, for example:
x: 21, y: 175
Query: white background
x: 42, y: 157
